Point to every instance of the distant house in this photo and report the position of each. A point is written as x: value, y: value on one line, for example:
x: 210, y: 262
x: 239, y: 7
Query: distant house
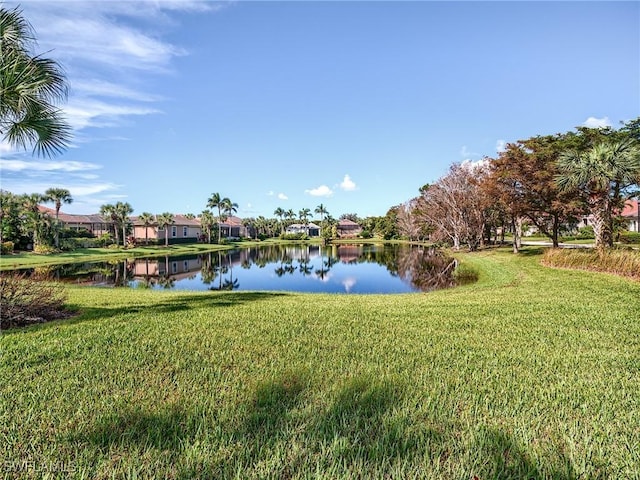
x: 631, y: 215
x: 183, y: 230
x: 94, y: 224
x: 310, y: 229
x: 348, y: 228
x: 232, y: 227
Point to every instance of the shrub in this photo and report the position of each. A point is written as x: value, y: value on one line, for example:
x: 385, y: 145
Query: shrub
x: 44, y: 249
x: 293, y: 236
x: 25, y: 301
x: 630, y: 237
x: 365, y: 234
x: 6, y: 248
x: 617, y: 261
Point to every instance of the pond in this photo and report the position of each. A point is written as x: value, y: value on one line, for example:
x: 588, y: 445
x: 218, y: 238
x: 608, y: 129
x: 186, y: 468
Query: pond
x: 354, y: 268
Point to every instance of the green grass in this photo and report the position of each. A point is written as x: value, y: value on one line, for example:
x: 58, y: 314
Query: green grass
x: 29, y: 259
x: 531, y: 372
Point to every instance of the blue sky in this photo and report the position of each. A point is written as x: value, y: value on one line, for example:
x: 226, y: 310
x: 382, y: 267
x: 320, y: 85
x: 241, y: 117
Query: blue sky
x: 354, y: 105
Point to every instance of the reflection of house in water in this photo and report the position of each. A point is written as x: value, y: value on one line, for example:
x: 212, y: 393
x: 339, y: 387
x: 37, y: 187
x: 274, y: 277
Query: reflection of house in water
x: 349, y: 253
x: 176, y: 267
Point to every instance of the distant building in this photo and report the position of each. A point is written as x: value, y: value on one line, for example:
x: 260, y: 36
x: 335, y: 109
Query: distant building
x: 348, y: 228
x: 310, y: 229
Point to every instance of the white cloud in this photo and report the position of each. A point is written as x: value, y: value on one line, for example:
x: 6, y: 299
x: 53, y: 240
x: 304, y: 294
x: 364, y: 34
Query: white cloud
x: 270, y: 193
x: 593, y: 122
x: 466, y: 153
x: 321, y: 191
x: 282, y: 196
x: 347, y: 184
x: 348, y: 283
x: 46, y: 166
x: 83, y: 113
x: 501, y: 146
x: 81, y: 190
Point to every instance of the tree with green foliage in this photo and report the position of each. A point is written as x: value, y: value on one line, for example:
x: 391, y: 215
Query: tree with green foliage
x: 147, y: 220
x: 30, y: 86
x: 322, y: 211
x: 279, y: 212
x: 164, y: 221
x: 228, y: 209
x: 108, y: 212
x: 58, y: 196
x: 207, y: 220
x: 304, y: 218
x: 603, y: 174
x: 122, y: 212
x: 10, y: 211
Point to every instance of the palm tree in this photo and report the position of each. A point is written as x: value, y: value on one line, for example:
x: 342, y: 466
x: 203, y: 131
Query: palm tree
x: 164, y: 220
x: 36, y: 220
x: 206, y: 222
x: 30, y: 87
x: 602, y: 174
x: 216, y: 201
x: 279, y: 212
x: 322, y: 211
x: 108, y: 211
x: 304, y: 218
x: 58, y: 196
x: 147, y: 219
x: 122, y: 212
x: 228, y: 209
x: 290, y: 214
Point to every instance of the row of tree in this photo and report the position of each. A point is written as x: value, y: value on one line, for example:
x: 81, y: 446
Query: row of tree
x: 548, y: 181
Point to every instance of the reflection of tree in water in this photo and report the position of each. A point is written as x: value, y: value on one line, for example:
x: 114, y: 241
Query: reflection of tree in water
x: 426, y: 269
x: 166, y: 281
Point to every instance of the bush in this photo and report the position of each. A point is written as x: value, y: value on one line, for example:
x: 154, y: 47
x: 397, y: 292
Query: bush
x: 44, y: 249
x: 621, y: 262
x: 25, y: 301
x: 630, y: 237
x: 6, y: 248
x: 293, y: 236
x: 365, y: 234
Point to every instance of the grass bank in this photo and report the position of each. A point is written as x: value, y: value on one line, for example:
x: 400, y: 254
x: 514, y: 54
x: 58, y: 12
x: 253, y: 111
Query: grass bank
x: 529, y: 373
x: 30, y: 259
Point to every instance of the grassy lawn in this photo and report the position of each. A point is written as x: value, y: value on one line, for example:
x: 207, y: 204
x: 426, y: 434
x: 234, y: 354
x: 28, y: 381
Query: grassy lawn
x: 29, y: 259
x: 531, y: 372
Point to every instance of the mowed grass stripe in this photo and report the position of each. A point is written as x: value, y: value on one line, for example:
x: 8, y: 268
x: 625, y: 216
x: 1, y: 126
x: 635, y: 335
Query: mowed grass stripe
x: 531, y: 372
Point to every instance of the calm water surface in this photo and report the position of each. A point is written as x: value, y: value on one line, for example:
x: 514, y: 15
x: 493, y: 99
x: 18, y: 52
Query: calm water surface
x: 356, y: 268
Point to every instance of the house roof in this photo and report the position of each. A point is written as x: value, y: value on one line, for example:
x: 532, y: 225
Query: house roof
x: 72, y: 218
x: 345, y: 222
x: 300, y: 225
x: 630, y: 209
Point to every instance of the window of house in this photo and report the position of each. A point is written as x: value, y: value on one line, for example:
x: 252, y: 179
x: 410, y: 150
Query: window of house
x: 186, y: 265
x: 174, y: 231
x: 185, y: 231
x: 174, y: 267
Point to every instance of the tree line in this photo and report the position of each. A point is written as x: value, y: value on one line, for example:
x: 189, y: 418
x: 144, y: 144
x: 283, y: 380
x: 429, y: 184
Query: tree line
x: 549, y: 182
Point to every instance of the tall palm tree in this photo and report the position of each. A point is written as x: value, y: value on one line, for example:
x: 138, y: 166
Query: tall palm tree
x: 58, y: 196
x: 304, y: 218
x: 322, y: 211
x: 108, y: 211
x: 226, y: 208
x: 279, y: 212
x: 31, y: 86
x: 290, y: 214
x: 164, y: 220
x: 602, y: 174
x: 147, y: 219
x: 216, y: 201
x: 122, y: 212
x: 36, y: 220
x: 206, y: 222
